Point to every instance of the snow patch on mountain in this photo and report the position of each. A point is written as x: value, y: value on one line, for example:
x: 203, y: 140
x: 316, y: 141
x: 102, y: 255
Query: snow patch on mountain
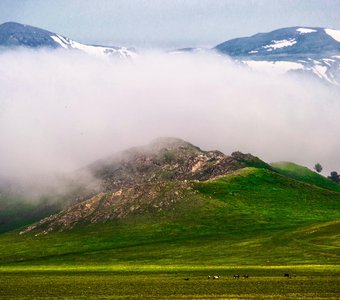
x: 280, y: 44
x: 58, y: 39
x: 305, y: 30
x: 324, y: 69
x: 99, y: 51
x: 335, y: 34
x: 320, y: 71
x: 279, y: 67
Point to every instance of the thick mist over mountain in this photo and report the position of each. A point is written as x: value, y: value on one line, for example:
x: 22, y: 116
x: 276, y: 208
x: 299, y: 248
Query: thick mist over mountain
x: 60, y: 111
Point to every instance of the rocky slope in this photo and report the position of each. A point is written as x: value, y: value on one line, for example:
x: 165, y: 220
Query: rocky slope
x: 167, y: 159
x: 152, y: 178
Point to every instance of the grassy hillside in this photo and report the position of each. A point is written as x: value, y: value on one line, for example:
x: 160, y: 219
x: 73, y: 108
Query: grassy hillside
x: 305, y: 175
x: 252, y: 216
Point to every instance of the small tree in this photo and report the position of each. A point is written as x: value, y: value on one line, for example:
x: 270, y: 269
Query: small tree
x: 318, y: 167
x: 335, y: 177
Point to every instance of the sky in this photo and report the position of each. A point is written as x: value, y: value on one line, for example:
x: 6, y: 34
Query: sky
x: 168, y: 23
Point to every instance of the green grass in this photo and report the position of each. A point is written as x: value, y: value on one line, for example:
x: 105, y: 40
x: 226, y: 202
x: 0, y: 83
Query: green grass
x: 253, y: 216
x: 252, y: 221
x: 153, y: 282
x: 305, y: 175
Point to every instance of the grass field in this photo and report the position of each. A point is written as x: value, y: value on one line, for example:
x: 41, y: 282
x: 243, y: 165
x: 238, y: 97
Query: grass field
x: 172, y: 282
x: 253, y: 221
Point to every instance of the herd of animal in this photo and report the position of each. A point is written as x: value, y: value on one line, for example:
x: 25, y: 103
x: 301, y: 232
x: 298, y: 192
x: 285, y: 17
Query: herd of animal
x: 245, y: 276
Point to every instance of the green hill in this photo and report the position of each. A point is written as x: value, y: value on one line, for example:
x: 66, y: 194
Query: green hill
x: 161, y: 240
x: 305, y: 175
x: 251, y: 216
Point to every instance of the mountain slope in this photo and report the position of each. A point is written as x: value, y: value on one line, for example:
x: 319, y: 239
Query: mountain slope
x: 305, y: 175
x: 250, y: 216
x: 284, y: 42
x: 144, y: 179
x: 18, y: 35
x: 160, y: 205
x: 310, y: 50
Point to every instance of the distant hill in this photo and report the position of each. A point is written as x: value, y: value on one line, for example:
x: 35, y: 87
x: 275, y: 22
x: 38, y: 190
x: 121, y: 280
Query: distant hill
x: 284, y: 42
x: 13, y: 35
x: 310, y: 50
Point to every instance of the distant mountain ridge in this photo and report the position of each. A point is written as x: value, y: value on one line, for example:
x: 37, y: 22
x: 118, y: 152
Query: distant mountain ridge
x: 309, y: 50
x: 312, y: 51
x: 14, y: 34
x: 285, y: 42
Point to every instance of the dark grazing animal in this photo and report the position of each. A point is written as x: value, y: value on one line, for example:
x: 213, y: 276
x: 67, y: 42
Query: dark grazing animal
x: 286, y: 275
x: 245, y: 276
x: 236, y: 276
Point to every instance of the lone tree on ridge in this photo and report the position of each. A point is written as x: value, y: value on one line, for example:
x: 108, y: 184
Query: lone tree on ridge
x: 335, y: 177
x: 318, y: 167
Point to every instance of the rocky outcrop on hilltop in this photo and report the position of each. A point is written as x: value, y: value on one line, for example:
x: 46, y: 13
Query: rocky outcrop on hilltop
x: 146, y: 179
x: 167, y: 159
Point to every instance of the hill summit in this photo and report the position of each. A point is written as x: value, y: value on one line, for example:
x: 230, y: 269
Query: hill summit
x: 143, y: 179
x: 167, y: 159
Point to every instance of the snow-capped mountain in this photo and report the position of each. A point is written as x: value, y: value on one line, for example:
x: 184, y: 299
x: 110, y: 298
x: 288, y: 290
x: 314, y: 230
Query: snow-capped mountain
x: 18, y: 35
x: 310, y: 50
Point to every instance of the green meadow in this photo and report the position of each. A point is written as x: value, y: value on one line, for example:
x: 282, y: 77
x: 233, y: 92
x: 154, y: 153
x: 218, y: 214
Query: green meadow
x: 169, y: 282
x: 260, y: 222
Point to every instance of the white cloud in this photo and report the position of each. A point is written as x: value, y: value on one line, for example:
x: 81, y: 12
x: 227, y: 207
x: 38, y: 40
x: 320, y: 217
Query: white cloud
x: 60, y: 111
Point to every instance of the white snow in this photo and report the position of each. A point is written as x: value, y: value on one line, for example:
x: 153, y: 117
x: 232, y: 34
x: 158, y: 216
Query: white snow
x: 102, y: 51
x: 59, y: 41
x: 305, y: 30
x: 329, y: 60
x: 98, y: 51
x: 63, y: 39
x: 282, y: 67
x: 320, y: 71
x: 280, y: 44
x: 279, y: 67
x: 335, y: 34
